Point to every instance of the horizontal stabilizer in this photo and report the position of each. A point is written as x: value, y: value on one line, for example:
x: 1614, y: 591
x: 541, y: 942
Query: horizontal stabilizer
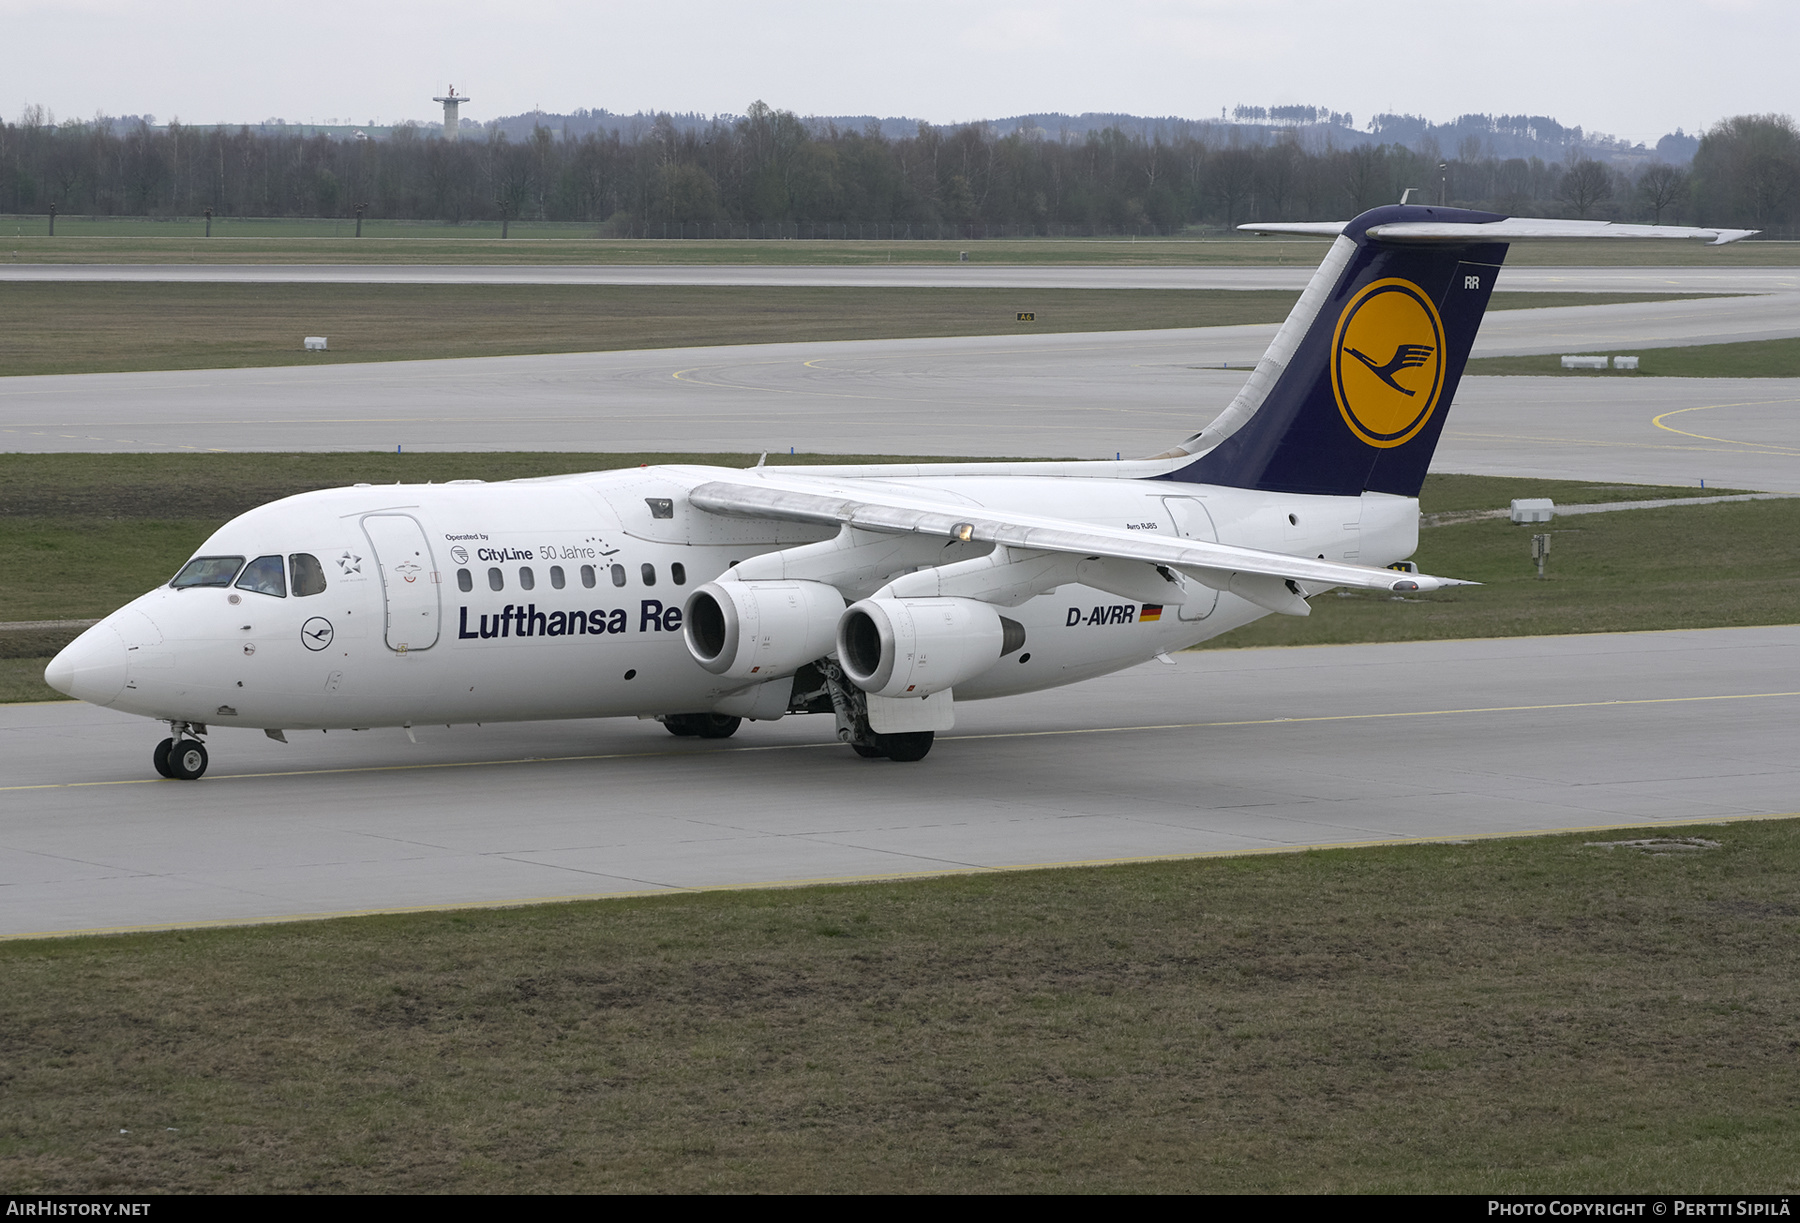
x: 1511, y: 229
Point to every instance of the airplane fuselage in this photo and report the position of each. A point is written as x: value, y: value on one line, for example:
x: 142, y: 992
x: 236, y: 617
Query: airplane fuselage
x: 562, y: 598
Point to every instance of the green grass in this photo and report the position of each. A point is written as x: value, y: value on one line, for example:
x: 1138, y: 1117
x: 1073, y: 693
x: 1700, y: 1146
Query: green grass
x: 90, y: 532
x: 324, y: 240
x: 85, y: 328
x: 1705, y: 566
x: 1537, y: 1015
x: 1750, y: 359
x: 22, y: 678
x: 63, y: 328
x: 1445, y: 492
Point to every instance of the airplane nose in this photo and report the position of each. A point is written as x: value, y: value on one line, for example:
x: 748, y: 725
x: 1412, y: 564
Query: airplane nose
x: 90, y: 668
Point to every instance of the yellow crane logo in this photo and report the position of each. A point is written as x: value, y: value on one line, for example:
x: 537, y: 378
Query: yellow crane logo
x: 1387, y: 362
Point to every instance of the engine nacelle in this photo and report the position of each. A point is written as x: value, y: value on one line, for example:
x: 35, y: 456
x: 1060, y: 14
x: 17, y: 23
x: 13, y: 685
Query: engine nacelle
x: 760, y: 630
x: 915, y: 647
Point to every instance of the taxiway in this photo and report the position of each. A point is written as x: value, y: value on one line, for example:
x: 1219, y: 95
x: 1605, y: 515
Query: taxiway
x: 1224, y: 752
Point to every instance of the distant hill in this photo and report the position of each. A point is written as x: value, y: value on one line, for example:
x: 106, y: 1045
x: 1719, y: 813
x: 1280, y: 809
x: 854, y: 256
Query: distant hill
x: 1468, y: 137
x: 1316, y: 128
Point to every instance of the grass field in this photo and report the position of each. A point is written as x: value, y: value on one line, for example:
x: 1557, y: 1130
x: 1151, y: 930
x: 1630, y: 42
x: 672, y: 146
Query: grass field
x: 1751, y: 359
x: 91, y: 532
x: 49, y: 328
x: 144, y: 240
x: 1556, y: 1014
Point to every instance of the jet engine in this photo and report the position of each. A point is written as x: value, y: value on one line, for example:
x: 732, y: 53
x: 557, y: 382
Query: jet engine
x: 760, y: 630
x: 915, y: 647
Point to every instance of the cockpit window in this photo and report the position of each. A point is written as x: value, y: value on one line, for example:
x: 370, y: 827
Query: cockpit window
x: 208, y: 571
x: 309, y: 575
x: 264, y: 576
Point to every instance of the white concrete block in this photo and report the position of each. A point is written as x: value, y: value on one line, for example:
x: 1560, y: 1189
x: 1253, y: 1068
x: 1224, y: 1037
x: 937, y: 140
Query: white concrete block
x: 316, y: 343
x: 1534, y: 509
x: 1584, y: 362
x: 1625, y: 362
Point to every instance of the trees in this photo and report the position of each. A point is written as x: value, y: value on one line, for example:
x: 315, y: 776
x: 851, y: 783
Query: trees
x: 1585, y: 186
x: 1662, y: 188
x: 1747, y: 172
x: 771, y: 171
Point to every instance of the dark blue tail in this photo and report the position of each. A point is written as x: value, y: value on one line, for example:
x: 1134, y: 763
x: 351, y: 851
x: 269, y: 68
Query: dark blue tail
x: 1352, y: 395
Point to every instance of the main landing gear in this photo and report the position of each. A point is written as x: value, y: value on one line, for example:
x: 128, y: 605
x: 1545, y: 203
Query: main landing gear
x: 702, y: 725
x: 181, y: 757
x: 851, y: 705
x: 903, y: 748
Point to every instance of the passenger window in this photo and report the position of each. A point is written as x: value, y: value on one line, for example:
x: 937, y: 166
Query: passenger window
x: 526, y: 580
x: 465, y: 581
x: 649, y: 572
x: 308, y: 574
x: 678, y: 573
x: 556, y: 576
x: 264, y: 576
x: 587, y: 576
x: 214, y: 571
x: 618, y: 572
x: 496, y: 580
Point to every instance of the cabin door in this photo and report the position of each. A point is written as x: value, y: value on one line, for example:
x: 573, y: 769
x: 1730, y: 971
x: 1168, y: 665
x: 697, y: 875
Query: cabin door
x: 409, y: 580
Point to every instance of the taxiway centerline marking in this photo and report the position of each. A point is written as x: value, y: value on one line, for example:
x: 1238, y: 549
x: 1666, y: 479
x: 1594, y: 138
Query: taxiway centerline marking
x: 1014, y: 734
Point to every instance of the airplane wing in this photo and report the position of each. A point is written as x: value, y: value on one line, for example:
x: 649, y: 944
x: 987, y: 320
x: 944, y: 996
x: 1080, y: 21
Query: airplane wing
x: 1264, y: 578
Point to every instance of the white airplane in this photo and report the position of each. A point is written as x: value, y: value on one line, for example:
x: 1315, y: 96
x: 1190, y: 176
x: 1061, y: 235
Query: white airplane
x: 880, y: 595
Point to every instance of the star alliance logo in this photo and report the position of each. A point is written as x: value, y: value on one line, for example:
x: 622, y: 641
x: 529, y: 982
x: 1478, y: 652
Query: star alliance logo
x: 349, y: 563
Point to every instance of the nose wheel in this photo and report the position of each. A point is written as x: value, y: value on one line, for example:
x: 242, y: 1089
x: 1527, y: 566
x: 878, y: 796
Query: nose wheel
x: 180, y: 758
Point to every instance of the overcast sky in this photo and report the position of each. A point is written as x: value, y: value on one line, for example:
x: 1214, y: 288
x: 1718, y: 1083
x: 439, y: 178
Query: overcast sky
x: 1635, y: 70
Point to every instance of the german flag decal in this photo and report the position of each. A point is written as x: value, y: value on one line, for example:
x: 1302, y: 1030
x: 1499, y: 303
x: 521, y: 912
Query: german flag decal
x: 1152, y: 611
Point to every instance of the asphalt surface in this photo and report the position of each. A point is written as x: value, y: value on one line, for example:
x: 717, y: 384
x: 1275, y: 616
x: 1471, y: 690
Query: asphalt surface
x: 1223, y: 752
x: 1083, y: 396
x: 947, y: 276
x: 1226, y: 751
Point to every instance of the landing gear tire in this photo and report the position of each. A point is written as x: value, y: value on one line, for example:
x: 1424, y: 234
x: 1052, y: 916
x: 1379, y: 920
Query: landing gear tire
x: 705, y: 725
x: 160, y: 758
x: 906, y: 748
x: 718, y: 725
x: 187, y: 760
x: 868, y: 751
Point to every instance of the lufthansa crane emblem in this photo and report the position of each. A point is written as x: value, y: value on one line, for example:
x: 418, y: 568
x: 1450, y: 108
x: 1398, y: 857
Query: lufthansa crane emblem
x: 1387, y: 362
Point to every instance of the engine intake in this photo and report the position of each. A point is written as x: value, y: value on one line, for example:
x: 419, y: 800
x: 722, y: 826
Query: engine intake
x: 760, y: 630
x: 915, y: 647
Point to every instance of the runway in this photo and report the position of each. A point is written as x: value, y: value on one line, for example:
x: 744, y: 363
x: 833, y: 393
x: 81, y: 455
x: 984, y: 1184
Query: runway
x: 1049, y: 396
x: 951, y: 275
x: 1227, y: 751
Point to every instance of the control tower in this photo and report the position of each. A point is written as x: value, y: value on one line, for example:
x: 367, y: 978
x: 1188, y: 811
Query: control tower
x: 451, y: 101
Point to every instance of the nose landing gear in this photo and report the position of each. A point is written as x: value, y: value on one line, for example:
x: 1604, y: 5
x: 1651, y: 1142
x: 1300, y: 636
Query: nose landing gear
x: 181, y: 757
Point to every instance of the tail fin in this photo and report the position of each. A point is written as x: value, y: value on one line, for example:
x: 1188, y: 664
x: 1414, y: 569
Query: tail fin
x: 1352, y: 394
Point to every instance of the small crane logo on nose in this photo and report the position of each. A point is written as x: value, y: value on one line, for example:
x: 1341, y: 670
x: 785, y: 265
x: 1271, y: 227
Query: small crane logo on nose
x: 316, y: 633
